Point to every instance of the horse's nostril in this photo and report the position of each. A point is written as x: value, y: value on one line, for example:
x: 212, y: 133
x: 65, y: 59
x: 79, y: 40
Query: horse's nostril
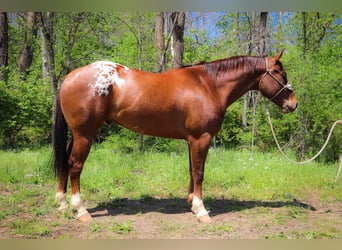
x: 291, y: 108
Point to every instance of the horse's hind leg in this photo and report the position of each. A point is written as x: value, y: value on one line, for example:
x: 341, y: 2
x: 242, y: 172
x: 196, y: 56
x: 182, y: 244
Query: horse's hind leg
x: 79, y: 154
x: 191, y: 185
x: 61, y: 195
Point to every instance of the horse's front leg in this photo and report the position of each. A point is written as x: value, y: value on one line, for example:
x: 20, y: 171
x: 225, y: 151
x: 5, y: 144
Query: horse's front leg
x: 77, y: 158
x: 198, y: 149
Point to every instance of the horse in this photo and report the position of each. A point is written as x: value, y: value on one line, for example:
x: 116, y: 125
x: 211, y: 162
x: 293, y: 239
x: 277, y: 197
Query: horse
x: 186, y: 103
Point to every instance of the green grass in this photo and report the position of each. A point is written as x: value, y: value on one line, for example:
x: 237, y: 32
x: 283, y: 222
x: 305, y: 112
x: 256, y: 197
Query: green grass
x: 122, y: 228
x: 25, y: 166
x: 30, y: 227
x: 135, y: 175
x: 27, y: 187
x: 229, y: 174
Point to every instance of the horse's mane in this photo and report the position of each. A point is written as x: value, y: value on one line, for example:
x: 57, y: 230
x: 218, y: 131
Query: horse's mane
x: 235, y: 63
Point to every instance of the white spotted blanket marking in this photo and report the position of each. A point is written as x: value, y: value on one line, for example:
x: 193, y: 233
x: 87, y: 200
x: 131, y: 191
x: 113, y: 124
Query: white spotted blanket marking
x: 106, y: 74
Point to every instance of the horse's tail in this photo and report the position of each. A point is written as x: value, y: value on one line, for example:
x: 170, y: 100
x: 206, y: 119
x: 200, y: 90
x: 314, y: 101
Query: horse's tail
x: 59, y: 140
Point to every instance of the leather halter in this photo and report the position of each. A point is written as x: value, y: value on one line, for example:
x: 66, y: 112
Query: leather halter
x: 286, y: 85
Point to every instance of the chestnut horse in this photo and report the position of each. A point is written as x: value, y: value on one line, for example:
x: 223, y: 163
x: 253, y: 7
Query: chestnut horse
x: 183, y: 103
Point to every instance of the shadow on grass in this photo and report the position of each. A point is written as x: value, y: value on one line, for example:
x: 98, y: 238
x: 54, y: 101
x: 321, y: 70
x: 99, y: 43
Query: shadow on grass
x: 148, y: 204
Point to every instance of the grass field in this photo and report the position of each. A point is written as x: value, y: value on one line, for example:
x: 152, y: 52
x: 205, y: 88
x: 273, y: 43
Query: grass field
x: 143, y: 195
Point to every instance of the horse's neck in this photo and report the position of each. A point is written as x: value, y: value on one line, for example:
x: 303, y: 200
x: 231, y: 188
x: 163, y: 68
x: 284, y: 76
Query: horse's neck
x: 231, y: 86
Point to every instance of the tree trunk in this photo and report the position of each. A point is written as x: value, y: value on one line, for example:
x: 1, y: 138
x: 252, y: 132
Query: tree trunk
x: 45, y: 63
x: 3, y: 44
x: 250, y: 34
x: 27, y: 49
x: 250, y: 45
x: 46, y: 25
x: 304, y: 35
x: 262, y: 34
x: 261, y: 45
x: 237, y: 33
x: 238, y: 51
x: 160, y: 41
x: 178, y: 19
x: 280, y: 30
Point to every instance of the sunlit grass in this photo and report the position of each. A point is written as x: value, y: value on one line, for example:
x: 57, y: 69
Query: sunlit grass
x: 28, y: 187
x: 230, y: 174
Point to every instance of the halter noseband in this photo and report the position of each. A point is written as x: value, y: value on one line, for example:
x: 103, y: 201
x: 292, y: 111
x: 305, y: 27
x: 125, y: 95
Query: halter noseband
x: 287, y: 85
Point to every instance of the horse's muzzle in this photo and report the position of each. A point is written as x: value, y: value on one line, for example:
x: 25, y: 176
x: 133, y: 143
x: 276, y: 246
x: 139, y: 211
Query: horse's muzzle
x: 290, y: 108
x: 290, y: 104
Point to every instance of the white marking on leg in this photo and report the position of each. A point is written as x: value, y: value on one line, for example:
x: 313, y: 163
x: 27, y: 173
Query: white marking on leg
x: 107, y: 74
x: 198, y: 207
x: 62, y: 201
x: 76, y: 203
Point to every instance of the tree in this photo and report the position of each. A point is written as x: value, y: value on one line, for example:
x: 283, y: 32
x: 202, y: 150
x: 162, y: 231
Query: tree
x: 160, y: 42
x: 76, y: 20
x: 3, y: 44
x: 280, y: 33
x: 261, y: 45
x: 46, y: 21
x: 313, y: 29
x: 314, y: 61
x: 27, y: 50
x: 262, y: 33
x: 178, y: 19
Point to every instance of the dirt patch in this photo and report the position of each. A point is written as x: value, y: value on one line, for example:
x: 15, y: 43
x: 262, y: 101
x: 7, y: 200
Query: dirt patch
x: 151, y: 218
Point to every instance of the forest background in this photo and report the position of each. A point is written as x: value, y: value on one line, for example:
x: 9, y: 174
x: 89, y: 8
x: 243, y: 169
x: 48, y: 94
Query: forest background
x: 37, y: 50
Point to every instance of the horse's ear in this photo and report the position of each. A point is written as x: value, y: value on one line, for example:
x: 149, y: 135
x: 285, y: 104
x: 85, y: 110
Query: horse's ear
x: 278, y: 56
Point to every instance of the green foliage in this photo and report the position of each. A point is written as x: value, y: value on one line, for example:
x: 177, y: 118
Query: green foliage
x: 26, y: 112
x: 79, y: 38
x: 315, y: 77
x: 318, y: 89
x: 231, y: 134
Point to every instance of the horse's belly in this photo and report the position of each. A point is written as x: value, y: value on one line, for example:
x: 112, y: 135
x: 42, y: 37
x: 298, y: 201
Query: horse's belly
x: 161, y: 125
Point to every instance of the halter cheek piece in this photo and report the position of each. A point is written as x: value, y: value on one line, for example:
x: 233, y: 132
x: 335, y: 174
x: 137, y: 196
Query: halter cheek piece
x: 286, y: 85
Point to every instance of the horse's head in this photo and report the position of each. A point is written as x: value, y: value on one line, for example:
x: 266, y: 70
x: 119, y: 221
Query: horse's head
x: 274, y: 85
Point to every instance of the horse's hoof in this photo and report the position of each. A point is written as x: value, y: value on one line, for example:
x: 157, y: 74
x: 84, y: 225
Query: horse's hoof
x: 204, y: 219
x: 84, y: 218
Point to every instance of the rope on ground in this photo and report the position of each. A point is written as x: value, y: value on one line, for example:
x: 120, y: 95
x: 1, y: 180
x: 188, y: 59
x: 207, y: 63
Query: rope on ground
x: 311, y: 159
x: 340, y: 167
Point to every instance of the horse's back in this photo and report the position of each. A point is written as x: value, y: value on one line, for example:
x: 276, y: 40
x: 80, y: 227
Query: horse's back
x: 160, y: 104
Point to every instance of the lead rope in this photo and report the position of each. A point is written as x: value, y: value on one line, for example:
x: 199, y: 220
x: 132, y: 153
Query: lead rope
x: 314, y: 157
